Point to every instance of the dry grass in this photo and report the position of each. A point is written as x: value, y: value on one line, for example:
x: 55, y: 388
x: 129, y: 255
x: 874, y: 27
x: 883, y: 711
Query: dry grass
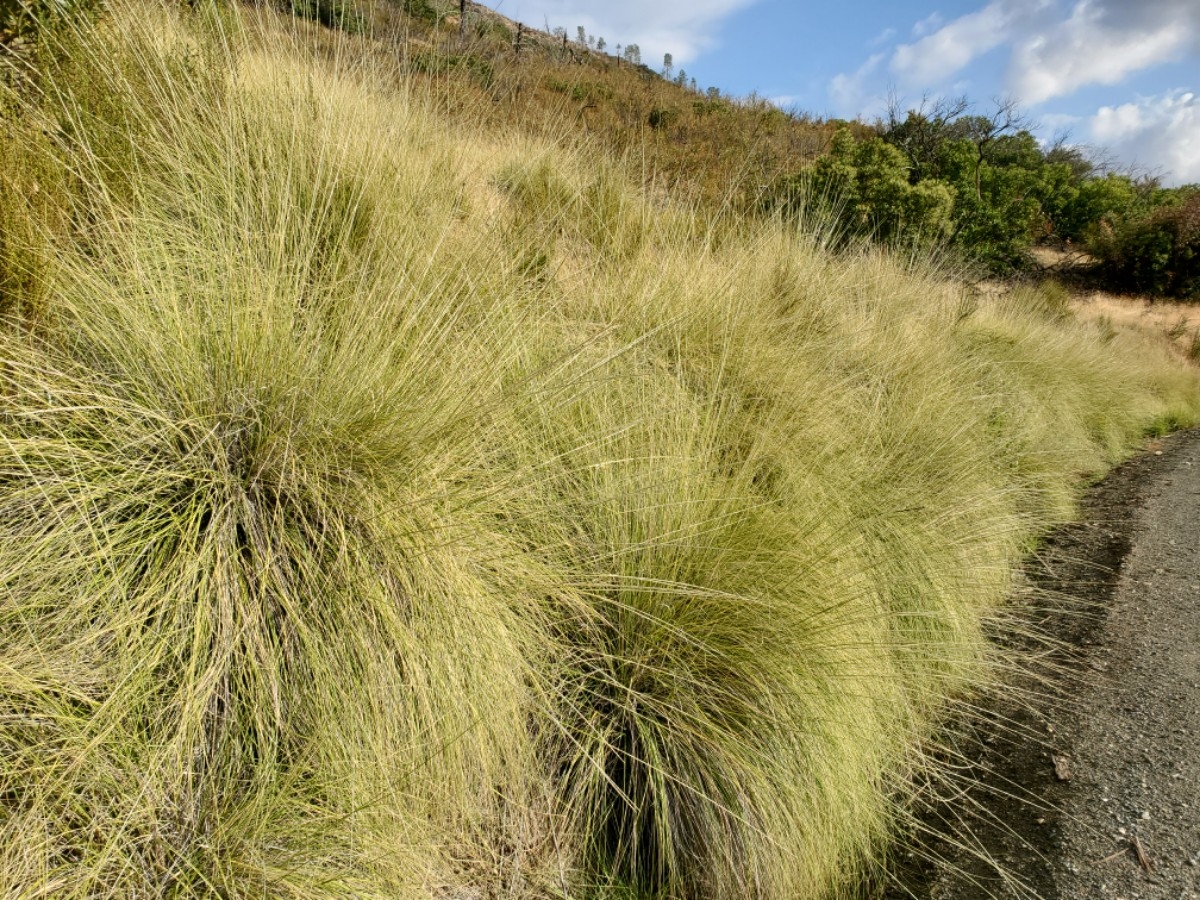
x: 394, y: 507
x: 1176, y: 323
x: 715, y: 149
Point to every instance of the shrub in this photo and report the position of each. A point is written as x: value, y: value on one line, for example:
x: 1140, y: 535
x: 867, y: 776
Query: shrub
x: 864, y: 187
x: 661, y: 117
x: 340, y: 14
x: 583, y: 92
x: 1109, y: 199
x: 434, y: 62
x: 27, y: 18
x: 1157, y: 253
x: 423, y: 10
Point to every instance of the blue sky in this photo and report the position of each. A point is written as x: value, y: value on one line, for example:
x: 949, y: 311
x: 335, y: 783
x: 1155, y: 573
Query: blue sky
x: 1123, y: 75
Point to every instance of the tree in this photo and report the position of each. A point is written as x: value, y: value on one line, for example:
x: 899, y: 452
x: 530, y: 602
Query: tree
x: 668, y: 65
x: 1098, y: 203
x: 864, y: 187
x: 600, y: 44
x: 581, y: 35
x: 1006, y: 192
x: 920, y: 133
x: 633, y: 54
x: 984, y: 131
x: 1082, y: 161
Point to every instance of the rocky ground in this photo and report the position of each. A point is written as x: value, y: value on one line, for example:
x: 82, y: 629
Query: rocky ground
x: 1081, y: 776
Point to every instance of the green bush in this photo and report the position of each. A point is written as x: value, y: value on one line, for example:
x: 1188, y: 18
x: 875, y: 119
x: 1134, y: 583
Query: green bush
x: 996, y: 208
x: 433, y: 62
x: 1097, y: 200
x: 424, y: 10
x: 30, y: 20
x: 1157, y: 253
x: 581, y: 91
x: 661, y: 117
x: 1010, y: 192
x: 864, y: 187
x: 340, y: 14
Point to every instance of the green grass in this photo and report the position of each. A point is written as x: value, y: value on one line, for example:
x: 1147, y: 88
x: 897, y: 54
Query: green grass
x: 391, y: 507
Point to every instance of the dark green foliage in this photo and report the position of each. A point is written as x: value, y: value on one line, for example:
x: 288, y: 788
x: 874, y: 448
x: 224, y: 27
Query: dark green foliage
x: 997, y: 212
x: 434, y: 63
x: 581, y: 91
x: 31, y: 19
x: 421, y: 9
x: 1097, y: 200
x: 491, y: 30
x: 865, y: 187
x: 711, y: 104
x: 661, y: 117
x: 986, y: 186
x: 1158, y: 253
x: 1008, y: 193
x: 339, y: 14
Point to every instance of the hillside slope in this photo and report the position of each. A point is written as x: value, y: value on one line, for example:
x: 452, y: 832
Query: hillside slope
x: 698, y: 143
x: 395, y: 506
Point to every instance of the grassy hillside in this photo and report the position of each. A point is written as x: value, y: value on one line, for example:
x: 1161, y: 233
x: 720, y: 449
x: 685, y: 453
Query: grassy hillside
x: 693, y: 141
x: 394, y: 504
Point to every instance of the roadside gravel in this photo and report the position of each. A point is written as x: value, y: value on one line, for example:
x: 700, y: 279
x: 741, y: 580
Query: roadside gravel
x: 1081, y: 778
x: 1135, y: 736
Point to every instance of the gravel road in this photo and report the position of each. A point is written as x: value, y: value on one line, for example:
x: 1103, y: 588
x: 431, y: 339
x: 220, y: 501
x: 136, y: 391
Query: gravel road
x: 1084, y: 773
x: 1135, y: 736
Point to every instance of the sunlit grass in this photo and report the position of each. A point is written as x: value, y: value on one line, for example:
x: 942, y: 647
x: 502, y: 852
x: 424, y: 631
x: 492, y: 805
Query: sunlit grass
x: 394, y: 507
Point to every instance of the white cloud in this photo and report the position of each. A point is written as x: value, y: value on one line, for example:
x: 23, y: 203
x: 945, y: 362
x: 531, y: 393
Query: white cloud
x: 949, y: 49
x: 849, y: 92
x: 1055, y: 47
x: 683, y: 28
x: 1101, y: 43
x: 1160, y: 133
x: 928, y: 25
x: 882, y: 38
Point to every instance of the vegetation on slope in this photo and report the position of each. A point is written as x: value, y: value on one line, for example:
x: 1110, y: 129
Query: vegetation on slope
x: 945, y: 175
x: 698, y: 143
x: 391, y: 507
x: 985, y: 186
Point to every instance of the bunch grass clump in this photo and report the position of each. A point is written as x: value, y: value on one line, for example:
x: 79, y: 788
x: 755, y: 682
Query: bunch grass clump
x: 395, y: 507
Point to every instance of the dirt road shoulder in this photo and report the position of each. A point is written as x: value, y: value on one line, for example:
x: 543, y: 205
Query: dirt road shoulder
x: 1084, y: 774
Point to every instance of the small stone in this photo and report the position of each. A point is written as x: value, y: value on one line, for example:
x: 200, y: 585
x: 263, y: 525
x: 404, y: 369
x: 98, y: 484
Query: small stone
x: 1062, y: 767
x: 1145, y: 815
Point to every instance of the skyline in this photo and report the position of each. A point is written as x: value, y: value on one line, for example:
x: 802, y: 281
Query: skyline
x: 1119, y: 76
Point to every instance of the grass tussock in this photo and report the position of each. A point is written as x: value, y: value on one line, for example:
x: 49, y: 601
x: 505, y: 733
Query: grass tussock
x: 391, y: 508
